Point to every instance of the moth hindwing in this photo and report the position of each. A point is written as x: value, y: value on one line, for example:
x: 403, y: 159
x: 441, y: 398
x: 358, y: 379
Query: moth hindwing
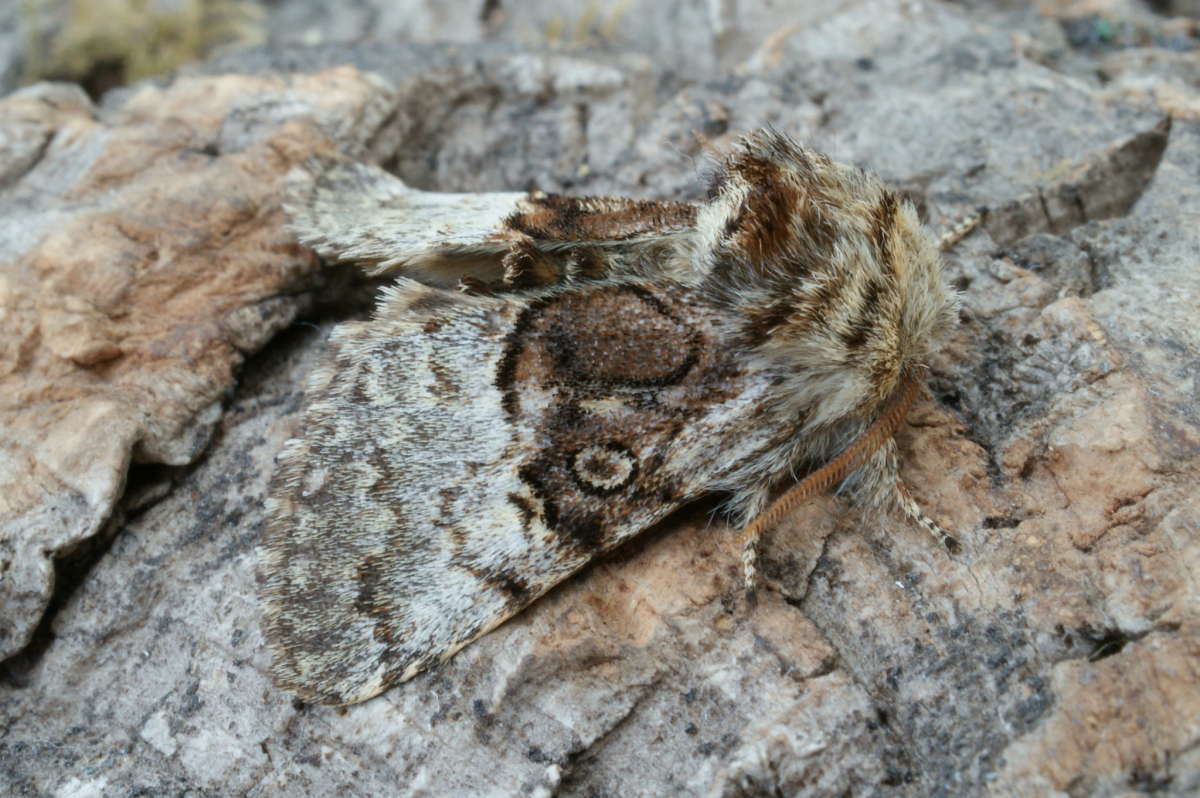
x: 464, y: 451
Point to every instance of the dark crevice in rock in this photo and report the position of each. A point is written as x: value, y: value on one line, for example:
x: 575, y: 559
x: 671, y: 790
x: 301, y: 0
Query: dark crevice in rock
x: 1099, y: 642
x: 1105, y: 185
x: 488, y: 10
x: 146, y: 484
x: 70, y: 572
x: 1108, y: 642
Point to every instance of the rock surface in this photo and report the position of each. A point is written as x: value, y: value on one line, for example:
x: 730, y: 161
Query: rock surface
x: 143, y: 258
x: 143, y: 255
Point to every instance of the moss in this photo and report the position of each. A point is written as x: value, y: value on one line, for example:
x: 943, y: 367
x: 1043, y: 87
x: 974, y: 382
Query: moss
x: 597, y: 23
x: 106, y: 43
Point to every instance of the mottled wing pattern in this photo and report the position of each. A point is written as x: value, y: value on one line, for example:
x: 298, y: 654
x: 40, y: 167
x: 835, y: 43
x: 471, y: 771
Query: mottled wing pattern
x: 501, y: 241
x: 558, y: 219
x: 358, y: 212
x: 554, y: 238
x: 460, y: 455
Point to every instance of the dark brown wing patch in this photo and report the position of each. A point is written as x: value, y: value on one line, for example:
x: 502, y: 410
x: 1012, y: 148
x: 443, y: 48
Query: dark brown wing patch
x: 648, y: 347
x: 553, y: 217
x: 622, y: 368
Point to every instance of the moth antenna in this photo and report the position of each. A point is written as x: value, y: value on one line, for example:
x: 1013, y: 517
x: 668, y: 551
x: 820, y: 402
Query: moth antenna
x: 831, y: 474
x: 962, y: 229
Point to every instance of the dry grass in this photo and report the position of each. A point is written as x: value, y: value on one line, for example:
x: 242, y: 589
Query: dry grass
x: 105, y: 43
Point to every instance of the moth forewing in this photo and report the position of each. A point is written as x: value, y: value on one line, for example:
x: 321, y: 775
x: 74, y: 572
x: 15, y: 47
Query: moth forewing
x: 460, y: 454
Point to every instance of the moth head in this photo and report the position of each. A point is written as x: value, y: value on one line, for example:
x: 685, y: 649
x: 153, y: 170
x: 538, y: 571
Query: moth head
x: 831, y: 270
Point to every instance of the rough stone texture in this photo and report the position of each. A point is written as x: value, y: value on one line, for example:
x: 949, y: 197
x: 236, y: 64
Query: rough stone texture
x: 142, y: 254
x: 686, y: 37
x: 10, y: 46
x: 1058, y: 654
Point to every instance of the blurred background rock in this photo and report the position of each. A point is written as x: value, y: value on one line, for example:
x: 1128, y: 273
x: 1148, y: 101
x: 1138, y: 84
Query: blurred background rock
x: 106, y: 43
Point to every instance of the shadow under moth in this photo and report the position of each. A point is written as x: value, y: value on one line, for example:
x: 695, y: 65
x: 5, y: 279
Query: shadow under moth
x: 548, y: 376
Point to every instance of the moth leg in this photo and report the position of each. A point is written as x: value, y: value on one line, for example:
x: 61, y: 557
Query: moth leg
x: 913, y: 512
x: 750, y: 562
x: 527, y: 267
x: 962, y: 229
x: 753, y: 506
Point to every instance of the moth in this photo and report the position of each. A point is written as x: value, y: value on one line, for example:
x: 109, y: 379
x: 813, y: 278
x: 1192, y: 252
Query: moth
x: 550, y: 375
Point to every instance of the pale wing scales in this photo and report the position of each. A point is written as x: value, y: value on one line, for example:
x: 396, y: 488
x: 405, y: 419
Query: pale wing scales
x: 359, y: 212
x: 358, y: 510
x: 447, y: 475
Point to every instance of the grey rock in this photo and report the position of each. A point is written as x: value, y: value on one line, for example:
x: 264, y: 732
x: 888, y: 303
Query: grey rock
x: 1055, y: 655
